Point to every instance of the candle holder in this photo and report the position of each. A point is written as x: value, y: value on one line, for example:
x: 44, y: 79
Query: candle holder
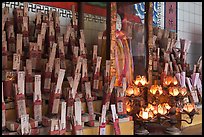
x: 145, y: 116
x: 163, y: 105
x: 137, y: 100
x: 173, y: 120
x: 177, y: 95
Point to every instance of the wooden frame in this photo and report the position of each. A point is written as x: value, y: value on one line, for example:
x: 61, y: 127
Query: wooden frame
x: 149, y: 32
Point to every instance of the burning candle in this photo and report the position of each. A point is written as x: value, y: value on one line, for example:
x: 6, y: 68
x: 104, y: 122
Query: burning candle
x: 143, y: 80
x: 170, y: 80
x: 183, y: 91
x: 162, y: 110
x: 175, y: 82
x: 166, y: 105
x: 150, y: 106
x: 136, y: 91
x: 167, y: 80
x: 159, y: 89
x: 188, y: 107
x: 128, y: 108
x: 130, y: 91
x: 145, y: 115
x: 173, y: 91
x: 155, y: 112
x: 140, y: 80
x: 155, y: 88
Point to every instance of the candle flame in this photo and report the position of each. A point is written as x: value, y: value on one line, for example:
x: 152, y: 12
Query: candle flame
x: 175, y: 82
x: 161, y: 109
x: 174, y: 91
x: 130, y: 91
x: 167, y: 80
x: 136, y: 91
x: 140, y: 80
x: 155, y: 88
x: 166, y: 105
x: 188, y: 107
x: 128, y: 108
x: 183, y: 91
x: 146, y: 113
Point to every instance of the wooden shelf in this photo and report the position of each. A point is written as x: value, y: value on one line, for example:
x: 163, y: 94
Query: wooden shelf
x: 127, y: 128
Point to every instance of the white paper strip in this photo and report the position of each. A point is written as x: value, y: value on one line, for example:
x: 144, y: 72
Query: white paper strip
x: 60, y: 80
x: 25, y: 9
x: 88, y: 89
x: 178, y: 77
x: 74, y: 16
x: 21, y: 82
x: 79, y: 63
x: 39, y: 42
x: 43, y: 30
x: 63, y: 116
x: 61, y: 45
x: 82, y: 48
x: 54, y: 125
x: 189, y: 83
x: 112, y: 83
x: 166, y: 68
x: 95, y: 49
x: 102, y: 131
x: 98, y: 64
x: 113, y: 110
x: 103, y: 116
x: 195, y: 96
x: 199, y: 87
x: 77, y: 112
x: 102, y: 119
x: 52, y: 55
x: 16, y: 61
x: 192, y: 90
x: 67, y: 33
x: 25, y: 126
x: 37, y: 90
x: 38, y: 18
x: 2, y: 89
x: 195, y: 80
x: 76, y: 51
x: 55, y: 106
x: 76, y: 83
x: 38, y: 113
x: 183, y: 76
x: 84, y: 68
x: 82, y: 35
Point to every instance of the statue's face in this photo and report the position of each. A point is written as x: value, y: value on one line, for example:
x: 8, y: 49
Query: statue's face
x: 118, y: 23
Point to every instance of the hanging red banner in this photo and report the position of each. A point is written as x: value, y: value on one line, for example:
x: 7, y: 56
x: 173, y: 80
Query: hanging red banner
x: 170, y: 16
